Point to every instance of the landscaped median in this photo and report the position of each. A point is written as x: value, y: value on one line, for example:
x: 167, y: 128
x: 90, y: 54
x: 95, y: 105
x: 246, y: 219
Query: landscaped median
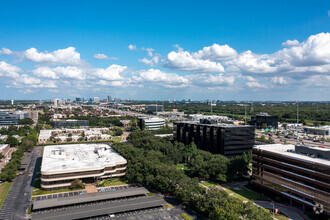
x: 4, y: 190
x: 37, y: 191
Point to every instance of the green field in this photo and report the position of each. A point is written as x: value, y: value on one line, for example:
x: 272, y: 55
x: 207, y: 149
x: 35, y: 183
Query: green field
x: 4, y: 190
x: 208, y: 183
x: 179, y: 166
x: 114, y: 182
x: 244, y: 194
x: 116, y: 139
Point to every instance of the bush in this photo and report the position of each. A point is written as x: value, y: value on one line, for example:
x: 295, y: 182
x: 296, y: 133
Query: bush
x: 77, y: 184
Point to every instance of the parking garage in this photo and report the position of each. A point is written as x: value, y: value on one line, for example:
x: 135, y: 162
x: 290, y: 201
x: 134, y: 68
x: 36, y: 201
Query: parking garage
x: 77, y: 198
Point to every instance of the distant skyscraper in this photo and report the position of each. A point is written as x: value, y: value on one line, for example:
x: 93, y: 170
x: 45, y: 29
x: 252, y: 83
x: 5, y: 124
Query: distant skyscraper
x: 12, y: 102
x: 56, y: 102
x: 78, y: 99
x: 96, y: 99
x: 109, y: 98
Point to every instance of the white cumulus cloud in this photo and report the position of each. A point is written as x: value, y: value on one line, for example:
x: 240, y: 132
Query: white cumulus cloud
x: 132, y: 47
x: 184, y: 61
x: 101, y: 56
x: 290, y: 43
x: 8, y: 70
x: 68, y: 56
x: 5, y: 51
x: 111, y: 73
x: 216, y: 52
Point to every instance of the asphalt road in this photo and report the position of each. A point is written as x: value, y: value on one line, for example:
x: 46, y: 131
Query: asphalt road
x: 18, y: 199
x: 290, y: 212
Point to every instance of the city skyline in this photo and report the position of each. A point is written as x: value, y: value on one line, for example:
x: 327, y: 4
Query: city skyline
x: 155, y: 51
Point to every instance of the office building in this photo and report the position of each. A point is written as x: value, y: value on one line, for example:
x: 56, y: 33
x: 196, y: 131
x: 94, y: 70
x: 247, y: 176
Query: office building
x: 263, y: 120
x: 325, y: 130
x: 56, y: 102
x: 298, y: 174
x: 109, y: 98
x: 61, y: 164
x: 153, y: 123
x: 8, y: 118
x: 154, y: 108
x: 21, y: 115
x: 96, y: 99
x: 226, y: 139
x: 58, y: 123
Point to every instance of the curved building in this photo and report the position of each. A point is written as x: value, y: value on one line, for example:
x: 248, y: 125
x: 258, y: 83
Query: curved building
x: 61, y: 164
x: 153, y: 123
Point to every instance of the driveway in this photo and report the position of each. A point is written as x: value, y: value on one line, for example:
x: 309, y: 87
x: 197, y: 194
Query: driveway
x: 18, y: 198
x: 290, y: 212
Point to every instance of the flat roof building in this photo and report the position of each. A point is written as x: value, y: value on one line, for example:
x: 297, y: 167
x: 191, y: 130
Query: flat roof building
x: 300, y: 174
x: 8, y: 118
x: 263, y: 120
x: 154, y: 108
x: 153, y: 123
x: 57, y: 123
x: 227, y: 139
x: 324, y: 130
x: 61, y: 164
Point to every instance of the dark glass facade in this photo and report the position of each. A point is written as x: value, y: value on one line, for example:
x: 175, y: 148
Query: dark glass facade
x: 69, y: 123
x: 7, y: 118
x: 270, y: 121
x: 229, y: 140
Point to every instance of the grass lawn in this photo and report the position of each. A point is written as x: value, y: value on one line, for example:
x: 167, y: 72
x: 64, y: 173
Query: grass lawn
x: 4, y: 189
x: 38, y: 191
x: 116, y: 139
x: 244, y: 194
x: 114, y: 182
x: 208, y: 183
x: 179, y: 166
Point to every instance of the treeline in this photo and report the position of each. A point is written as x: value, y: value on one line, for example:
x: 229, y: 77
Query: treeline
x: 8, y: 173
x: 201, y: 164
x: 152, y: 161
x: 286, y: 112
x: 105, y: 121
x: 27, y: 131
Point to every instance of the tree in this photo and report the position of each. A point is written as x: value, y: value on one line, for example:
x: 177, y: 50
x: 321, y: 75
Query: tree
x: 27, y: 144
x: 26, y: 121
x: 118, y: 132
x: 70, y: 135
x: 69, y: 139
x: 1, y: 156
x: 12, y: 141
x: 316, y: 123
x: 76, y: 184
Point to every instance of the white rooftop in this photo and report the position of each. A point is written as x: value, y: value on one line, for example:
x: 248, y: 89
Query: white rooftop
x: 288, y: 150
x: 79, y: 157
x: 3, y: 146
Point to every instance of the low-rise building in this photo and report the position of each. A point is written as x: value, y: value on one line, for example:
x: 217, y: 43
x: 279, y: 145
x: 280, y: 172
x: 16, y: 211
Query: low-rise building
x: 153, y: 123
x: 61, y: 164
x: 300, y: 174
x: 58, y: 123
x: 325, y: 130
x: 263, y: 120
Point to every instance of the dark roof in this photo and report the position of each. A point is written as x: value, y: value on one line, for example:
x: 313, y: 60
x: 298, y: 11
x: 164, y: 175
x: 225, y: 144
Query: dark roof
x: 102, y: 209
x: 89, y: 197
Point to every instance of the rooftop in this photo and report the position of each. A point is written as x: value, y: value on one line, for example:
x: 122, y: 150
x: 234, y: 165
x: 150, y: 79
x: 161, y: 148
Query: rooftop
x: 3, y: 146
x: 288, y: 150
x: 79, y: 157
x: 215, y: 125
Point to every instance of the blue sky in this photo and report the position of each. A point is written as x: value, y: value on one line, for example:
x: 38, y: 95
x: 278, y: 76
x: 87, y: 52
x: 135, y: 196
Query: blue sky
x: 227, y: 50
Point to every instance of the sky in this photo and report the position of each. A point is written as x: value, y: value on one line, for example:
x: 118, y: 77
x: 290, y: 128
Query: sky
x: 159, y: 50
